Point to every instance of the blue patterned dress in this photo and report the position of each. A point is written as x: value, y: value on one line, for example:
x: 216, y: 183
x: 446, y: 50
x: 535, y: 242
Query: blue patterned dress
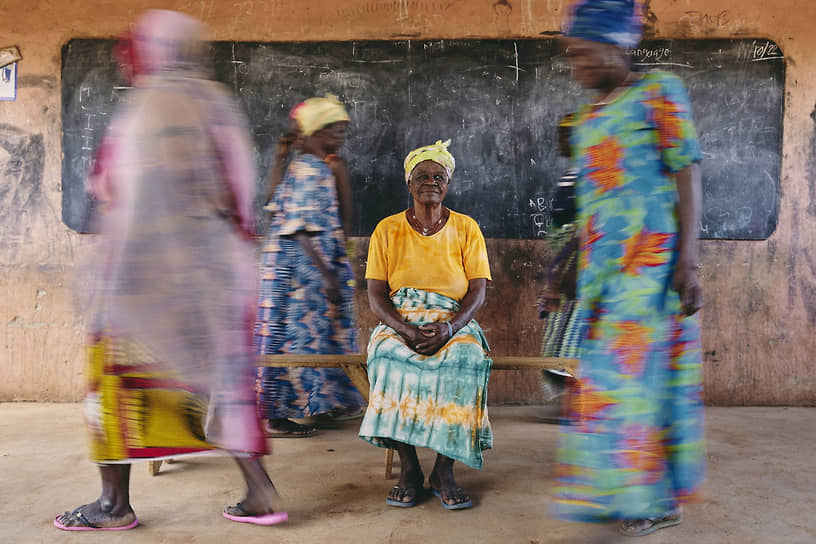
x: 635, y: 448
x: 294, y: 315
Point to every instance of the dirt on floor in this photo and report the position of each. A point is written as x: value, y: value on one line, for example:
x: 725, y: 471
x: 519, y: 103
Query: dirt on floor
x: 761, y: 487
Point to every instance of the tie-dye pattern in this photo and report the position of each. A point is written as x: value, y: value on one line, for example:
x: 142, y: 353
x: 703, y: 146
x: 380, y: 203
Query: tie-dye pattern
x: 438, y: 401
x: 635, y: 448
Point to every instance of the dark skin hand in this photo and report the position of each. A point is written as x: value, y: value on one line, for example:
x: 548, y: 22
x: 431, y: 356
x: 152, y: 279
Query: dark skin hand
x: 428, y: 338
x: 331, y: 283
x: 684, y: 279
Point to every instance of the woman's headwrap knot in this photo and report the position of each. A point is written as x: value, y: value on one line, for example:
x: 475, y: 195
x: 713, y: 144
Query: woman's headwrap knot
x: 438, y: 153
x: 316, y: 113
x: 618, y: 22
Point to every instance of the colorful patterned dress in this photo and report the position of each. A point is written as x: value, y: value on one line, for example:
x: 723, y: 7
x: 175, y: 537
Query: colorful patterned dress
x: 294, y: 315
x: 437, y: 401
x: 170, y: 368
x: 636, y: 448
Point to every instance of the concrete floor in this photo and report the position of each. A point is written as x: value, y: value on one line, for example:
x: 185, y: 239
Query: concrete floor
x: 761, y: 486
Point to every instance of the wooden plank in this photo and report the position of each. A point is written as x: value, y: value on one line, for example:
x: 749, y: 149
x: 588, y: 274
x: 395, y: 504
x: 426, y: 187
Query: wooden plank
x: 334, y: 361
x: 523, y: 363
x: 317, y: 361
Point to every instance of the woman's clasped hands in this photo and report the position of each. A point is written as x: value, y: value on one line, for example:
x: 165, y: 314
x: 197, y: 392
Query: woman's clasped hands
x: 428, y: 338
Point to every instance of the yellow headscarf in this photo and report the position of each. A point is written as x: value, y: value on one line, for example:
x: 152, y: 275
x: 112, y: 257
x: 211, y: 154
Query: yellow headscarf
x: 316, y: 113
x: 437, y: 153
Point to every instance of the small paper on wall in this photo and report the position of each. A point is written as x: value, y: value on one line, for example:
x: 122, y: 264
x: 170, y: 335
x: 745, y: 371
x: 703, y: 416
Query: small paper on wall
x: 9, y: 54
x: 8, y: 82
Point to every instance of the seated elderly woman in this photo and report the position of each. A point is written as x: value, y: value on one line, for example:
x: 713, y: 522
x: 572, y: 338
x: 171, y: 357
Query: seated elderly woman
x: 427, y: 359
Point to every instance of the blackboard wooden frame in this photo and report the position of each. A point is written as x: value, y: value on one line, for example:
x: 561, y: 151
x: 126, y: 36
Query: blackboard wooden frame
x: 498, y: 100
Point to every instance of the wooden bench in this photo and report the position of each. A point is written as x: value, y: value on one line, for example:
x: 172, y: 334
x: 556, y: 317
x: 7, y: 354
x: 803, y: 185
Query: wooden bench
x: 355, y: 367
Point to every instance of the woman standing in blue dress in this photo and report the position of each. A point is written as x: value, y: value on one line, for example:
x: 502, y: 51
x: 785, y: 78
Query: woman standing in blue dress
x: 306, y: 289
x: 634, y: 449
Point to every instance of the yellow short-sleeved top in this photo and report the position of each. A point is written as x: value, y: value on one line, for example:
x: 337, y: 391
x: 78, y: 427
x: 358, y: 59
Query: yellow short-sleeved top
x: 442, y: 263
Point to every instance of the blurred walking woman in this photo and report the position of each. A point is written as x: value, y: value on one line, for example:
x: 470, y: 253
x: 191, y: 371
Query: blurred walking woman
x: 427, y: 359
x: 635, y: 449
x: 305, y: 303
x: 170, y: 364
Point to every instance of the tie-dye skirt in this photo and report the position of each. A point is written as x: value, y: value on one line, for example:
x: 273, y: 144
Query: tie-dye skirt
x: 437, y: 402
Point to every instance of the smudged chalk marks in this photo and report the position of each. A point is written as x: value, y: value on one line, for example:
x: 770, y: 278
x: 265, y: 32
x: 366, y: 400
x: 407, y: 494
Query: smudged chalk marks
x: 22, y: 204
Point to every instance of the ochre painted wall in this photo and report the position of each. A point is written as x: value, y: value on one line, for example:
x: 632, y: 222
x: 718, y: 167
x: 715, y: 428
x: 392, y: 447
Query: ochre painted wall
x: 761, y: 296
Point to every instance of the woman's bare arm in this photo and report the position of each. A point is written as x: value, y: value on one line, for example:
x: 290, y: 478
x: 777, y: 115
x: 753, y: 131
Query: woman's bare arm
x: 330, y: 280
x: 689, y: 208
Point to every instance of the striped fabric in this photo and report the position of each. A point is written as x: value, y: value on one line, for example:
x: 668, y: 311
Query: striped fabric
x: 294, y: 314
x: 562, y: 333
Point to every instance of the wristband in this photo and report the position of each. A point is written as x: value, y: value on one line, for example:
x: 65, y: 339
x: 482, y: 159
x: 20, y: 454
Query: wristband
x: 450, y: 329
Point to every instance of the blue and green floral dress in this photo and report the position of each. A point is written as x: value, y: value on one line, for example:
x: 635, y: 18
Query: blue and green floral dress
x: 635, y: 446
x: 294, y: 315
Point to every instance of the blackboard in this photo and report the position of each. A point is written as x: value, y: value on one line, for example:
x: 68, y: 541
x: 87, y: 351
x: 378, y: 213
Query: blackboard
x: 498, y: 100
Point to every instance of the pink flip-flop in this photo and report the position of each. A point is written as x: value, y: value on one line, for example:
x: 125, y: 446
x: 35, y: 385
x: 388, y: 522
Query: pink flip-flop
x: 88, y: 526
x: 267, y: 519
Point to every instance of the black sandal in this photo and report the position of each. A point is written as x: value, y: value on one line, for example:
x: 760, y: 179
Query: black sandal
x: 285, y: 428
x: 647, y: 526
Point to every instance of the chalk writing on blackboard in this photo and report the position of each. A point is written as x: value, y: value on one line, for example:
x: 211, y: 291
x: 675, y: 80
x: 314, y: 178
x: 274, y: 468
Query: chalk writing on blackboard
x: 498, y: 100
x: 540, y: 215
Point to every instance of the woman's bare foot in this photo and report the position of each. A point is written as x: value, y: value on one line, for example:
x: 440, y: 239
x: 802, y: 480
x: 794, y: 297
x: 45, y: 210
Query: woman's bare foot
x: 259, y: 505
x: 96, y: 516
x: 445, y: 487
x: 452, y: 496
x: 409, y: 488
x: 250, y: 506
x: 647, y: 526
x: 261, y: 497
x: 110, y: 511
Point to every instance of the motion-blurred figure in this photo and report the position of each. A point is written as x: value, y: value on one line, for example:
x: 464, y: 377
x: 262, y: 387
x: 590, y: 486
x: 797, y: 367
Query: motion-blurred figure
x: 634, y: 450
x: 557, y: 302
x: 170, y: 365
x: 306, y: 300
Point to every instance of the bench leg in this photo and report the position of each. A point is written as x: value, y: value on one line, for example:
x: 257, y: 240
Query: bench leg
x: 389, y: 461
x: 153, y: 467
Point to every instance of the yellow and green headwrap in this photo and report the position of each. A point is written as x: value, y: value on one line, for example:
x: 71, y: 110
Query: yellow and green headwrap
x: 437, y: 153
x: 316, y: 113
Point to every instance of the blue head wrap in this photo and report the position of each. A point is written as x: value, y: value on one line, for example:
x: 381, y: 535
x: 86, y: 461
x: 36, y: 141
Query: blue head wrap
x: 618, y: 22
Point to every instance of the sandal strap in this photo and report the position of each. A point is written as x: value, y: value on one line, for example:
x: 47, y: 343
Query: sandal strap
x: 85, y: 521
x: 243, y: 511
